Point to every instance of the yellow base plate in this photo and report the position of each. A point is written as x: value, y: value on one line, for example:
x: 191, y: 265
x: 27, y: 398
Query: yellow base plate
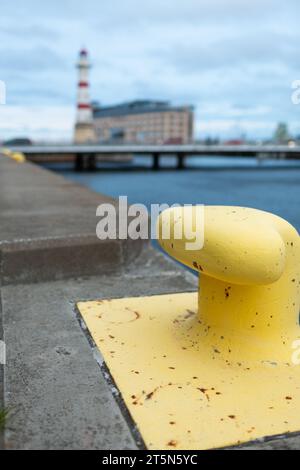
x: 180, y: 393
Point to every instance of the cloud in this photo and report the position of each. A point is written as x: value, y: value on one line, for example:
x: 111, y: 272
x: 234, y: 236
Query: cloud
x: 37, y: 122
x: 232, y: 59
x: 265, y: 48
x: 35, y: 31
x: 30, y: 60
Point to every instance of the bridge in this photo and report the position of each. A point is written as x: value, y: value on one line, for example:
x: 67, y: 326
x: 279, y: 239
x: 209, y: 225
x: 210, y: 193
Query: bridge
x: 86, y: 156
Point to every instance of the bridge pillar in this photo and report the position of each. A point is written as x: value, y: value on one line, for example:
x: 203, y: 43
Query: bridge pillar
x: 91, y: 162
x: 79, y: 162
x: 155, y: 164
x: 180, y: 161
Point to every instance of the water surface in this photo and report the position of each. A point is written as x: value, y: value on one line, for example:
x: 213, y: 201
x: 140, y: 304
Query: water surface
x: 269, y: 185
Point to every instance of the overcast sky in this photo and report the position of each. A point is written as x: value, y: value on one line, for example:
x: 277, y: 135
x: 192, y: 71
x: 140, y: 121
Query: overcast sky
x: 235, y: 60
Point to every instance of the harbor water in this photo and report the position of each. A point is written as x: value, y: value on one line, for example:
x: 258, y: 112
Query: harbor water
x: 268, y: 185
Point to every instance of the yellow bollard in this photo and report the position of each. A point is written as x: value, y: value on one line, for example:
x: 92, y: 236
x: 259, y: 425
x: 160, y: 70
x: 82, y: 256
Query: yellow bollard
x: 17, y: 156
x: 222, y: 366
x: 249, y: 281
x: 6, y: 152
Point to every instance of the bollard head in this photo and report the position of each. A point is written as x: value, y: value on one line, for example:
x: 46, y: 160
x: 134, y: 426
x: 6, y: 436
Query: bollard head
x: 241, y: 245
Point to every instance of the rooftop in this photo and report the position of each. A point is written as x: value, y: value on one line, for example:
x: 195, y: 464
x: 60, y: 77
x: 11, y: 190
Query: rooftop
x: 135, y: 107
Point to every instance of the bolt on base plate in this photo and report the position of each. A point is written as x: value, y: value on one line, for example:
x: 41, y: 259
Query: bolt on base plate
x: 178, y: 388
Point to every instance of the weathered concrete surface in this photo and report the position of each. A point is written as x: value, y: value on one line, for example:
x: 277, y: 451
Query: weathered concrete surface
x: 53, y: 386
x: 48, y: 227
x: 53, y: 383
x: 1, y: 367
x: 49, y: 259
x: 35, y: 203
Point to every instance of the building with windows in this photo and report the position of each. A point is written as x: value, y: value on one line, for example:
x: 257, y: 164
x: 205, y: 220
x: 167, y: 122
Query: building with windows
x: 143, y: 122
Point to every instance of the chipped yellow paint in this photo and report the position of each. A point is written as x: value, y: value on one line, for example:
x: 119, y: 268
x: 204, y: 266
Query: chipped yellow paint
x: 226, y: 374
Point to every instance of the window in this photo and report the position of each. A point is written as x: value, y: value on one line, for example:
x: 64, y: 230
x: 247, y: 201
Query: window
x: 117, y: 133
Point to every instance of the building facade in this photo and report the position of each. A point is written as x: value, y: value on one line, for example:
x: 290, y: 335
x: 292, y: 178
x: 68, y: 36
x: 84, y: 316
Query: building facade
x: 144, y: 122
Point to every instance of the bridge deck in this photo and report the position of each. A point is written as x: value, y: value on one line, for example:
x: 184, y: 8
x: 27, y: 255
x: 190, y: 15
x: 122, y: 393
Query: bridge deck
x: 196, y: 150
x: 86, y: 156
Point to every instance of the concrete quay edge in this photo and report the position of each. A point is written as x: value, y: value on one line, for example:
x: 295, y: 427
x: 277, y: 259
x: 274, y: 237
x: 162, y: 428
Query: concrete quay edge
x: 50, y: 258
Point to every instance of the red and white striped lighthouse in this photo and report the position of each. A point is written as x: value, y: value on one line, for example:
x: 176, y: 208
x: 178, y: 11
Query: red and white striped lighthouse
x: 84, y: 128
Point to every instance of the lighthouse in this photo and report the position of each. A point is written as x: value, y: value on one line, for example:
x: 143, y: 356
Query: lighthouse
x: 84, y: 127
